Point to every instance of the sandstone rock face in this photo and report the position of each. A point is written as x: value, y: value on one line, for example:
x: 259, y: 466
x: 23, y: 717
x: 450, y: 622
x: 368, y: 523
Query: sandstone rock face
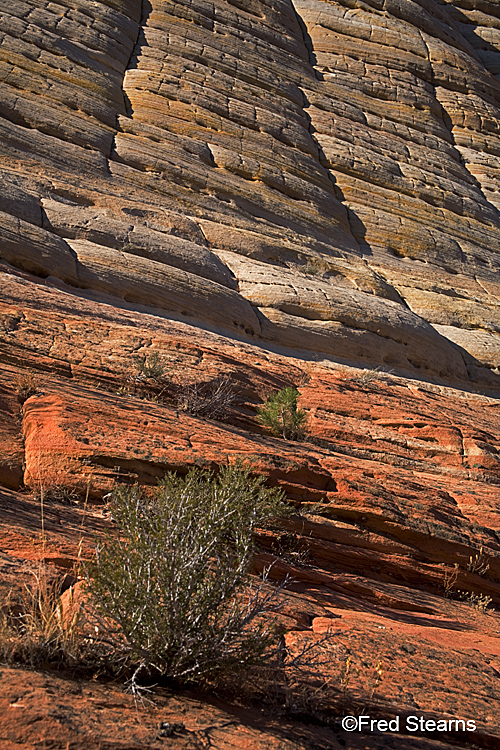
x: 347, y: 150
x: 274, y: 193
x: 396, y: 550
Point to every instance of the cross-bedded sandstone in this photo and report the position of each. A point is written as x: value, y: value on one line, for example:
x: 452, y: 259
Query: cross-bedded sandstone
x: 356, y: 139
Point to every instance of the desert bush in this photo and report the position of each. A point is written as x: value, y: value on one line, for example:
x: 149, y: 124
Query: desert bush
x: 60, y: 492
x: 289, y: 547
x: 209, y: 400
x: 153, y: 381
x: 368, y: 376
x: 480, y: 602
x: 174, y: 577
x: 479, y: 563
x: 148, y: 379
x: 281, y: 415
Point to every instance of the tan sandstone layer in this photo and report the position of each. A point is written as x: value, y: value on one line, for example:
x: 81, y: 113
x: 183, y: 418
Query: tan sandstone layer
x: 321, y: 175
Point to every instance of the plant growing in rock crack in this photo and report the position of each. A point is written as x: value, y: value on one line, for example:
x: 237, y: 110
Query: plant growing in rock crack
x: 153, y: 381
x: 58, y: 492
x: 290, y: 548
x: 152, y: 367
x: 149, y: 381
x: 27, y: 384
x: 368, y: 376
x: 174, y: 577
x: 30, y: 626
x: 209, y: 400
x: 478, y: 563
x: 450, y: 580
x: 36, y: 627
x: 480, y: 602
x: 282, y: 416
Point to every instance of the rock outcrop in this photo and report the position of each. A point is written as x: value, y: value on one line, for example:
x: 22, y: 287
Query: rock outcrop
x: 395, y: 549
x: 263, y: 194
x: 347, y: 150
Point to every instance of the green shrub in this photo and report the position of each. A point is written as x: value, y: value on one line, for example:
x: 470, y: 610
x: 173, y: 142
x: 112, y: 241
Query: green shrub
x: 281, y: 415
x: 152, y: 367
x: 175, y: 576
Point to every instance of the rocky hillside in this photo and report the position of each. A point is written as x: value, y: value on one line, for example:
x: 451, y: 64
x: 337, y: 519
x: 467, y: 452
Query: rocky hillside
x: 396, y: 550
x: 262, y: 194
x: 321, y: 175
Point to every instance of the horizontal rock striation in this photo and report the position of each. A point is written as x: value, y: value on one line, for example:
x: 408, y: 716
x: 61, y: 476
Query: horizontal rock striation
x: 394, y: 548
x: 263, y: 194
x: 348, y: 149
x: 407, y: 121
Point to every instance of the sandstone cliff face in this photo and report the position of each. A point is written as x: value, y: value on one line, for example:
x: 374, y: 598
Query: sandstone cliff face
x: 276, y: 193
x: 322, y: 176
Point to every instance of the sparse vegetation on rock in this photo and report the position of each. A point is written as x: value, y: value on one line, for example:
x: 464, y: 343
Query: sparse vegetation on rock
x: 368, y: 376
x: 174, y: 577
x: 265, y: 191
x: 281, y: 415
x: 152, y: 367
x: 27, y: 385
x: 155, y: 381
x: 209, y: 400
x: 33, y: 629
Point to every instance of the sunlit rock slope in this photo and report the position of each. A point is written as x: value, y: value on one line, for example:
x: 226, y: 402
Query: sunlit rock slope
x: 321, y: 176
x: 396, y: 549
x: 274, y: 194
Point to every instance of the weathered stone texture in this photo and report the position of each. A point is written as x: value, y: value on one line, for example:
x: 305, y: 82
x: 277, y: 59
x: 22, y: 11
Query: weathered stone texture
x: 244, y: 187
x: 398, y: 482
x: 356, y: 140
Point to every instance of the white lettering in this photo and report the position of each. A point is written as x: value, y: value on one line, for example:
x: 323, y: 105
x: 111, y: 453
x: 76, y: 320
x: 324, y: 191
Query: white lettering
x: 394, y: 725
x: 412, y: 723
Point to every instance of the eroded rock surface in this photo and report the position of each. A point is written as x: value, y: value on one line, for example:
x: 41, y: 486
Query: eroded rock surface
x: 278, y: 194
x: 395, y: 548
x: 344, y: 152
